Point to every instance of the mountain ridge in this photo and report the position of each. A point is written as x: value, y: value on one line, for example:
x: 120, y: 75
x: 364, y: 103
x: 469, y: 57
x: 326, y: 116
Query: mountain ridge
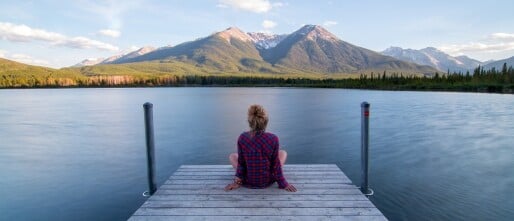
x: 311, y: 49
x: 433, y: 57
x: 498, y: 65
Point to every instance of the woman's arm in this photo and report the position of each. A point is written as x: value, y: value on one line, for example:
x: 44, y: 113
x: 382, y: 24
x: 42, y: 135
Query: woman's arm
x: 241, y: 163
x: 276, y: 166
x: 240, y: 170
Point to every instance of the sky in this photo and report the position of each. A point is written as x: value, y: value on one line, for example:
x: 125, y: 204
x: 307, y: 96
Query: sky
x: 62, y: 33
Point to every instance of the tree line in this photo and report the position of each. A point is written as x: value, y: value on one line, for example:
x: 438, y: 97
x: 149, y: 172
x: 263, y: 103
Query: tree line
x: 481, y: 80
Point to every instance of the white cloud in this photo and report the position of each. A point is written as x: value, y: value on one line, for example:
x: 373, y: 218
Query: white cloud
x: 2, y: 53
x: 86, y: 43
x: 23, y: 33
x: 496, y: 42
x: 329, y: 23
x: 268, y: 24
x: 257, y: 6
x: 502, y: 36
x: 110, y: 33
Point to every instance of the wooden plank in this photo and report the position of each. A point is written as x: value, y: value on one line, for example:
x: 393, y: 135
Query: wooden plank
x: 259, y: 204
x: 231, y: 173
x: 283, y: 169
x: 195, y: 192
x: 220, y: 177
x: 268, y: 197
x: 245, y: 191
x: 258, y: 218
x: 229, y: 180
x: 257, y: 211
x: 285, y: 166
x: 275, y: 185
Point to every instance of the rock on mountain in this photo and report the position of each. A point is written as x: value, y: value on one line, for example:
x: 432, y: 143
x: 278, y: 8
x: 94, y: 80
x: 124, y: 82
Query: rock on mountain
x: 499, y: 64
x: 433, y: 57
x: 313, y: 48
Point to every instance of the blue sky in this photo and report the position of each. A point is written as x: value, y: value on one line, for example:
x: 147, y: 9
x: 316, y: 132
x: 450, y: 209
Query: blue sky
x: 62, y: 33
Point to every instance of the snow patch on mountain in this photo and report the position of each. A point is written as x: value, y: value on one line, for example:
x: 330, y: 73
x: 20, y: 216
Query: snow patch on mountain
x: 266, y: 40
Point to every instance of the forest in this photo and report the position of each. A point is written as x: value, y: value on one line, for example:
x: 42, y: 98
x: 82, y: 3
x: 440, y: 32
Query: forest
x: 480, y: 80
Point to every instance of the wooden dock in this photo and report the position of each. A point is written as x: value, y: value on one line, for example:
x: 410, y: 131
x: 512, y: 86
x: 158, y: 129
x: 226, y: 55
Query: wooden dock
x: 196, y: 192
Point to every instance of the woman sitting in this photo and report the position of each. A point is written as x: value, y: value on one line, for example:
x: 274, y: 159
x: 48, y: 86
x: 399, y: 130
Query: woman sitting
x: 258, y: 161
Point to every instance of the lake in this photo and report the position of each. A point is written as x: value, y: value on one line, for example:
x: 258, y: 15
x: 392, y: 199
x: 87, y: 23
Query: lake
x: 79, y: 154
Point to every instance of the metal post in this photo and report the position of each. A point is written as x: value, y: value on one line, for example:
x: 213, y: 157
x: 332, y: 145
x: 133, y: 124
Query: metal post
x: 364, y: 148
x: 150, y: 153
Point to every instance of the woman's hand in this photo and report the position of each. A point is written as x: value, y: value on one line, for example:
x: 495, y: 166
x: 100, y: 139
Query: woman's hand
x: 290, y: 188
x: 232, y: 186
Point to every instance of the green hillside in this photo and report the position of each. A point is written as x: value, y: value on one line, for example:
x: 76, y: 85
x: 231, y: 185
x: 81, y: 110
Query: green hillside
x: 15, y: 74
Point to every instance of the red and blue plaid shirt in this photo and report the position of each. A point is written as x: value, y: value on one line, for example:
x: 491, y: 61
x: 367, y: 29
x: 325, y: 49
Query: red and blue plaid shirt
x: 258, y: 162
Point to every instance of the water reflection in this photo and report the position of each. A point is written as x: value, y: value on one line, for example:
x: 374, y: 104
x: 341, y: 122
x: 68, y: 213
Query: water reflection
x: 78, y: 154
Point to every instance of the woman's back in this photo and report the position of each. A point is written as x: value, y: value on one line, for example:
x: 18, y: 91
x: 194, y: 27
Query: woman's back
x: 258, y: 160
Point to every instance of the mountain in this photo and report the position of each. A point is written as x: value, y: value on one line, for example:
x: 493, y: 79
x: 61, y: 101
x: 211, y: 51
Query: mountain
x: 89, y: 62
x: 230, y: 50
x: 112, y: 59
x: 313, y: 48
x: 130, y: 55
x: 499, y: 64
x: 433, y: 57
x: 116, y: 59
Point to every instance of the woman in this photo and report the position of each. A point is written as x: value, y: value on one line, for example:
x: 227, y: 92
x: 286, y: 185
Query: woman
x: 258, y: 161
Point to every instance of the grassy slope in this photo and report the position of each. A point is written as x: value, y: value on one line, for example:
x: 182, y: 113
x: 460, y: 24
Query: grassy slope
x: 16, y: 69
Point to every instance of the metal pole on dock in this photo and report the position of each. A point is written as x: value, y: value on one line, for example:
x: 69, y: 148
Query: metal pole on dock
x: 364, y: 149
x: 150, y: 146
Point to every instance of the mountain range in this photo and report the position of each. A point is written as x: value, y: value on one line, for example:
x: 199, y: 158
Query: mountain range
x: 499, y: 64
x: 434, y: 58
x: 116, y: 59
x: 311, y: 49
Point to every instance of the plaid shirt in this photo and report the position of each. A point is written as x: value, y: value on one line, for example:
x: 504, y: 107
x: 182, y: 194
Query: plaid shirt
x: 258, y: 162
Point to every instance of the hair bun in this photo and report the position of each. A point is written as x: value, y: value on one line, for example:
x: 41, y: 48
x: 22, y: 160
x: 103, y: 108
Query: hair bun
x: 257, y: 111
x: 257, y: 118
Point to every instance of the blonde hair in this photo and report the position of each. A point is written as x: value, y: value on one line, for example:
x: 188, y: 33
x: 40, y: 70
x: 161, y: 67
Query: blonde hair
x: 257, y: 118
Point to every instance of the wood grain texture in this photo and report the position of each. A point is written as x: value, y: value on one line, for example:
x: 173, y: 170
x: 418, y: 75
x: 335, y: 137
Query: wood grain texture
x: 196, y: 192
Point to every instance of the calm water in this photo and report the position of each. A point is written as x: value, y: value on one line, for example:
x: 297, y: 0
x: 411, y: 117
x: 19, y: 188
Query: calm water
x: 79, y: 154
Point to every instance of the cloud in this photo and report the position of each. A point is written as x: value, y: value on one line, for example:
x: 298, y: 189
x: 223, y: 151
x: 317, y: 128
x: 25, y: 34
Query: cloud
x: 23, y: 33
x: 109, y: 33
x: 496, y: 42
x: 23, y: 58
x: 257, y: 6
x: 502, y: 36
x: 329, y: 23
x: 267, y: 24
